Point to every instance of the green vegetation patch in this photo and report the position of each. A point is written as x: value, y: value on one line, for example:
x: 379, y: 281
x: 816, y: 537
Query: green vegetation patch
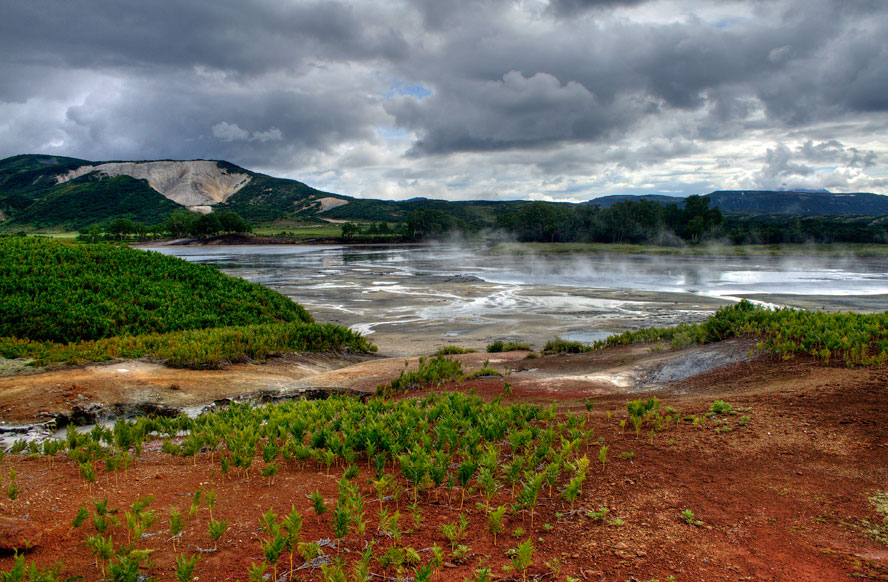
x: 201, y: 348
x: 60, y: 292
x: 68, y: 303
x: 454, y: 350
x: 500, y: 346
x: 853, y: 338
x: 430, y: 372
x: 561, y: 346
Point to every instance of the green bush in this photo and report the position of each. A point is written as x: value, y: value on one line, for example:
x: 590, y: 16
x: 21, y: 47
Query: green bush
x: 203, y: 348
x: 500, y: 346
x: 560, y: 346
x: 430, y: 371
x: 63, y: 292
x: 453, y: 350
x: 852, y: 338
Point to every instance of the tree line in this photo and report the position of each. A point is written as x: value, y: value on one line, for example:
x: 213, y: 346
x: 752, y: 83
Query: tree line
x: 646, y: 222
x: 178, y: 224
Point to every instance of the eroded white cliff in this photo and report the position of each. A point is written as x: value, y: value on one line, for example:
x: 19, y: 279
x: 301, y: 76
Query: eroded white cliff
x: 193, y: 183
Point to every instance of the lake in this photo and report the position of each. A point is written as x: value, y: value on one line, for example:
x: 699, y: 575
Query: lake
x: 413, y: 299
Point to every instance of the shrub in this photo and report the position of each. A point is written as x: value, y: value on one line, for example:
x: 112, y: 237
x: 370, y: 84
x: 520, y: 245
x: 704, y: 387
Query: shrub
x: 500, y: 346
x: 560, y: 346
x: 453, y: 350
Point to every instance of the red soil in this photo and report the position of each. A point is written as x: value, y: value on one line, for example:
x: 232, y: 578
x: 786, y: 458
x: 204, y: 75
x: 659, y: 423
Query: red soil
x: 779, y: 499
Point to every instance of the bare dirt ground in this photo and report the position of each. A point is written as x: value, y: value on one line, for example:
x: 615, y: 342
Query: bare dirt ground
x: 135, y: 383
x: 781, y: 496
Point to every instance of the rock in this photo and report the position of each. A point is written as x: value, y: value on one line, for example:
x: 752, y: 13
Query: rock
x: 18, y: 534
x: 190, y: 183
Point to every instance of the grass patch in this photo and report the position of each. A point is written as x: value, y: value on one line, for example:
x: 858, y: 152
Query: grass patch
x: 855, y: 339
x: 878, y: 528
x: 852, y: 338
x: 500, y: 346
x: 561, y: 346
x: 430, y: 372
x: 300, y: 232
x: 203, y: 348
x: 454, y: 351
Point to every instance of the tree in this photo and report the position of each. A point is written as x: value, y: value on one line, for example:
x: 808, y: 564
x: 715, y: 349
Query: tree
x: 539, y: 221
x: 180, y: 223
x: 425, y: 224
x: 121, y: 226
x: 350, y: 230
x: 232, y: 222
x: 207, y: 225
x: 698, y: 219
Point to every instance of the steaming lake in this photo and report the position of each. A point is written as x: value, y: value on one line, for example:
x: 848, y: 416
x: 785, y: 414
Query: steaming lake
x: 413, y: 299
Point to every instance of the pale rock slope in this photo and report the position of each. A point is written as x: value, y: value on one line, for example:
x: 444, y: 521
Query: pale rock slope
x: 193, y: 183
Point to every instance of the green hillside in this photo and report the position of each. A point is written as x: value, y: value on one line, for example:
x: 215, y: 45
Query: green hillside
x: 89, y: 200
x: 30, y: 198
x: 267, y: 199
x: 112, y: 299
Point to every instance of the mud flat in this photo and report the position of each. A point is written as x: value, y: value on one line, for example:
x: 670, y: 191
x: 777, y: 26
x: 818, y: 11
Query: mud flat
x: 414, y: 299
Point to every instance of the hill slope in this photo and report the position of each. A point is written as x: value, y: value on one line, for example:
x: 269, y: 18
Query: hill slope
x: 39, y: 191
x: 192, y: 183
x: 62, y: 292
x: 72, y: 303
x: 799, y: 203
x: 770, y: 202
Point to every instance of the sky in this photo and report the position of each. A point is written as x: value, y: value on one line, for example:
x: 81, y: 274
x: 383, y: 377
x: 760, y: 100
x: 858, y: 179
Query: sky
x: 561, y: 100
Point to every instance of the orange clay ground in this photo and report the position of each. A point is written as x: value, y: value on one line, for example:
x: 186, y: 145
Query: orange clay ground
x: 781, y: 498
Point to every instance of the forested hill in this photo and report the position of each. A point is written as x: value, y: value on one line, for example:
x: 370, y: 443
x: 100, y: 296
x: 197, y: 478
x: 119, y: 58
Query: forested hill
x: 54, y: 192
x: 39, y: 191
x: 770, y: 202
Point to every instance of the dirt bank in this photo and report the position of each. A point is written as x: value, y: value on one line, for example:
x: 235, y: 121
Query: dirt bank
x: 133, y: 384
x: 782, y: 495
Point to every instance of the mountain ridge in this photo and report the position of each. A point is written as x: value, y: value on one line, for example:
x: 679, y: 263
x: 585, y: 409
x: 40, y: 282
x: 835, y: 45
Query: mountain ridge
x: 45, y: 191
x: 772, y: 202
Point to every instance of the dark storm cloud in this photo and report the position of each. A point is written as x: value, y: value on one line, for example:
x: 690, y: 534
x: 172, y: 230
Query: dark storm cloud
x: 247, y: 37
x: 633, y: 72
x: 572, y: 7
x: 295, y: 86
x: 513, y: 112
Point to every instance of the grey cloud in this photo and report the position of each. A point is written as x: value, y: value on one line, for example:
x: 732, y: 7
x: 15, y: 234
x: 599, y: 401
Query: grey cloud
x: 638, y: 73
x: 778, y: 164
x: 516, y: 111
x: 305, y: 85
x: 833, y: 152
x: 225, y: 34
x: 573, y: 7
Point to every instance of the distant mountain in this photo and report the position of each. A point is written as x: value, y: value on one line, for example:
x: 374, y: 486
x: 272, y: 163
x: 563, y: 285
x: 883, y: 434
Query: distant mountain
x: 767, y: 202
x: 608, y: 201
x: 54, y: 191
x: 41, y: 191
x: 799, y: 203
